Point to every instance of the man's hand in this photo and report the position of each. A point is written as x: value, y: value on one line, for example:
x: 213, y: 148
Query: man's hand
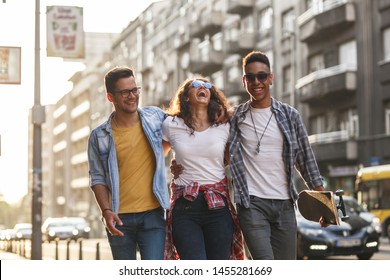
x: 322, y: 221
x: 110, y: 220
x: 223, y: 116
x: 319, y: 189
x: 176, y: 169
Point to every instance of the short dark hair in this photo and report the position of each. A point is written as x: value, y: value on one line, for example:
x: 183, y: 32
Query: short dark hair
x: 114, y: 75
x: 255, y: 56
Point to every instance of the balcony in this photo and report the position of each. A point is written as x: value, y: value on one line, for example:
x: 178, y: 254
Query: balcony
x: 207, y: 63
x: 383, y: 5
x: 325, y: 84
x: 320, y: 22
x: 241, y: 7
x: 244, y: 44
x: 332, y: 146
x: 235, y: 89
x: 384, y: 70
x: 207, y: 23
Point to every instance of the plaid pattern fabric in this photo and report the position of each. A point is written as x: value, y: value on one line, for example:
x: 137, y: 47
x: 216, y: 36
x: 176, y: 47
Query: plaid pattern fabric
x: 297, y: 151
x: 213, y: 194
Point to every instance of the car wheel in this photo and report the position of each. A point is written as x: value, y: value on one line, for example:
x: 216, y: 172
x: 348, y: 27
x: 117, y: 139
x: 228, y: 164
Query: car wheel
x: 365, y: 256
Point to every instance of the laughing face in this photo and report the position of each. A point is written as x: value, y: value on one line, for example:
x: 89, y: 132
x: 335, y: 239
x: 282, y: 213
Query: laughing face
x: 258, y: 89
x: 199, y: 92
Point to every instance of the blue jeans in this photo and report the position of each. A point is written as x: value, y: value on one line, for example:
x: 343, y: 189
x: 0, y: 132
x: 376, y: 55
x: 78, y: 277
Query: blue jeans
x: 199, y: 233
x: 145, y: 229
x: 269, y: 227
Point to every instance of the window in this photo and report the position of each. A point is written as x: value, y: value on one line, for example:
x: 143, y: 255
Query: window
x: 386, y: 44
x: 217, y: 5
x: 287, y: 80
x: 348, y: 54
x: 247, y: 25
x: 349, y: 121
x: 318, y: 124
x: 270, y: 56
x: 288, y: 22
x: 217, y: 41
x: 265, y: 19
x: 217, y: 78
x: 316, y: 62
x: 387, y: 119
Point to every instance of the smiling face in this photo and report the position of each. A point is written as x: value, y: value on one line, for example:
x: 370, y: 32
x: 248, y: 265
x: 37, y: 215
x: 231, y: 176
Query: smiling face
x: 258, y: 90
x: 127, y: 104
x: 199, y: 93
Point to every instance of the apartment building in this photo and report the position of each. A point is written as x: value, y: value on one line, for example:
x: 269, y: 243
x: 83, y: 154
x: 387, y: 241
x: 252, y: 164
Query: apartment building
x: 344, y: 86
x: 330, y: 58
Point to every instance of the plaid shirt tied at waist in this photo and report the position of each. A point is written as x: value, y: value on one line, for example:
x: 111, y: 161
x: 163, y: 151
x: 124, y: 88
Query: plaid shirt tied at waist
x: 213, y: 194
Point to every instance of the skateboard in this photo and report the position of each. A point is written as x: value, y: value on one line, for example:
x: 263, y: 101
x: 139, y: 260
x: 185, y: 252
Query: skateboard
x: 313, y: 205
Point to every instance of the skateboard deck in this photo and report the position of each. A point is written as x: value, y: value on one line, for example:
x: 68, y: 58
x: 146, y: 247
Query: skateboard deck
x: 313, y: 205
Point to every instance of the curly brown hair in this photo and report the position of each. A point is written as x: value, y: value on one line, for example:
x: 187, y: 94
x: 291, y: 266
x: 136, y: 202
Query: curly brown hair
x: 180, y: 106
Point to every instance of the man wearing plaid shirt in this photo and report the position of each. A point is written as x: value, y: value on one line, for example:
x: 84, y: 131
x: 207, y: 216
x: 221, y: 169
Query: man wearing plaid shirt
x: 268, y: 139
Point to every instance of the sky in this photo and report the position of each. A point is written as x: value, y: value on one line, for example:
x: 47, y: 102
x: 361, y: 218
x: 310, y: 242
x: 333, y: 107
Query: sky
x: 17, y: 21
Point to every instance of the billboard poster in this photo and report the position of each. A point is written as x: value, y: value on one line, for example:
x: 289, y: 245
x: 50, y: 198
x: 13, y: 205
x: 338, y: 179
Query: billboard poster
x: 65, y: 32
x: 10, y: 64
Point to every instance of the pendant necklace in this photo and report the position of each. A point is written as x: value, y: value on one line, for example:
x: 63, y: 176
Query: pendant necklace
x: 262, y: 135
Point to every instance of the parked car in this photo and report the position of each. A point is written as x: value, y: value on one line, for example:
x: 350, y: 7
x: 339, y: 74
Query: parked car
x: 23, y: 231
x: 71, y: 228
x: 7, y: 234
x: 359, y: 235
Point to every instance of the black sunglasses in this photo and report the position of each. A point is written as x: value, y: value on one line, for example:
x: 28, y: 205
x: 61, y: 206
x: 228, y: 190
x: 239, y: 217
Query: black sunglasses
x: 261, y: 77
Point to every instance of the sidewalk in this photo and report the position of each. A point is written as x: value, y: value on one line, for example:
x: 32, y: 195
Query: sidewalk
x: 10, y: 256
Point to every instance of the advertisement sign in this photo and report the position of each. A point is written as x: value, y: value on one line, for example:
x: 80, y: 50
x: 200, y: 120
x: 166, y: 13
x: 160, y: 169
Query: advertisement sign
x: 65, y: 33
x: 10, y: 63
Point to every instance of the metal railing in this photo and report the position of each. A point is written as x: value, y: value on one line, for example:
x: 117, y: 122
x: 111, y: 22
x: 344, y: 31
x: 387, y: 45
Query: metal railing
x: 81, y: 249
x: 319, y: 8
x: 324, y: 73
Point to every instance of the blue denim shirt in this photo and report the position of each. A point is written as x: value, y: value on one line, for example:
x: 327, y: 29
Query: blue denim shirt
x: 103, y: 164
x: 297, y: 151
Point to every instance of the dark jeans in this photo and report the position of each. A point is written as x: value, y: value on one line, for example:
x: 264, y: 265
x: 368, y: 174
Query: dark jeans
x: 269, y: 227
x: 145, y: 229
x: 199, y: 233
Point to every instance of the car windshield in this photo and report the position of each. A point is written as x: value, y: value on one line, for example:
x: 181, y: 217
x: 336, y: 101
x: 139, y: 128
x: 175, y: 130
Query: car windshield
x: 62, y: 224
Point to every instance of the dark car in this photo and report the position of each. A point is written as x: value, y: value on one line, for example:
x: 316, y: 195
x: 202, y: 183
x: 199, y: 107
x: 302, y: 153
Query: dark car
x: 359, y: 235
x: 71, y: 228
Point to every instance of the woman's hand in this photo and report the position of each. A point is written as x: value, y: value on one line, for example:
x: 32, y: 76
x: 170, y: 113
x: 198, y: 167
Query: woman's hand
x: 176, y: 169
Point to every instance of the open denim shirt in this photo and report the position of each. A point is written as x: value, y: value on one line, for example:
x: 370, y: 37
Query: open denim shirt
x: 103, y: 164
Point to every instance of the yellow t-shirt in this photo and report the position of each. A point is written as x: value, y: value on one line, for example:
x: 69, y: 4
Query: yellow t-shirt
x: 137, y: 165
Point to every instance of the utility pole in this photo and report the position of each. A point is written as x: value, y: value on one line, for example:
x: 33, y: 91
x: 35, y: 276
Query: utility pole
x: 38, y: 118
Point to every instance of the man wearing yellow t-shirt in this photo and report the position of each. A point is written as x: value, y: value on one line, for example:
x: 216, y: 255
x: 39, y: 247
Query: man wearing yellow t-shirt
x: 127, y: 171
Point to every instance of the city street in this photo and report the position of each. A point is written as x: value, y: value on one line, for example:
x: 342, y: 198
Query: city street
x: 93, y: 249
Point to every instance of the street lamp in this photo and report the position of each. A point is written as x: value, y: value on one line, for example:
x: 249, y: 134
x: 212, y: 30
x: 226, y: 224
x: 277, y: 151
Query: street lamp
x: 38, y: 118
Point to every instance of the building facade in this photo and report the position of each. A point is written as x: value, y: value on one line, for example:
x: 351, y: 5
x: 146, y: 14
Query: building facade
x: 330, y: 59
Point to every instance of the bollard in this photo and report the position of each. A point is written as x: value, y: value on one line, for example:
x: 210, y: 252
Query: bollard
x: 68, y: 249
x: 23, y: 248
x: 57, y: 256
x: 80, y: 249
x: 10, y: 246
x: 98, y: 251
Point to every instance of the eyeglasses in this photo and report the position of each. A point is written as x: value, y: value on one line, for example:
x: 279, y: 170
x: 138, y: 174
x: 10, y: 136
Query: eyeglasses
x: 197, y: 84
x: 261, y: 77
x: 126, y: 92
